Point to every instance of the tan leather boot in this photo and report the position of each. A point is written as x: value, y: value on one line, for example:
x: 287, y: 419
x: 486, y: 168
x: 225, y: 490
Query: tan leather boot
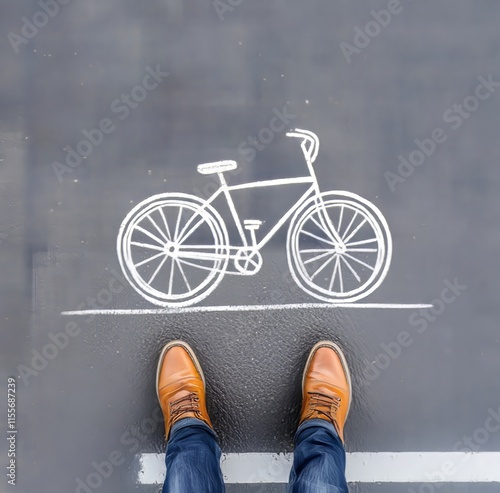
x: 180, y: 385
x: 326, y: 386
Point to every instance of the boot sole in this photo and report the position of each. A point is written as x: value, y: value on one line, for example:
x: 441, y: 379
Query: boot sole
x: 192, y: 355
x: 343, y: 360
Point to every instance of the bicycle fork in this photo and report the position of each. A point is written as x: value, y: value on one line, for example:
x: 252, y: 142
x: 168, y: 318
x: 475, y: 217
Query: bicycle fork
x: 310, y: 154
x: 327, y: 224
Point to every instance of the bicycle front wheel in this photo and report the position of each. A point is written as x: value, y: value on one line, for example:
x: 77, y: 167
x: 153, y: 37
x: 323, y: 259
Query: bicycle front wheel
x: 328, y: 272
x: 173, y: 249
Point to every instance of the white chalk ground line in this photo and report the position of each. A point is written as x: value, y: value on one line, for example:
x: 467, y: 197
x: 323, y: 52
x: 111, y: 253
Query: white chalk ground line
x: 246, y: 308
x: 362, y: 467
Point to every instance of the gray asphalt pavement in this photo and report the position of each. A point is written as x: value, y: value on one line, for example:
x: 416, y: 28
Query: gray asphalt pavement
x: 111, y: 103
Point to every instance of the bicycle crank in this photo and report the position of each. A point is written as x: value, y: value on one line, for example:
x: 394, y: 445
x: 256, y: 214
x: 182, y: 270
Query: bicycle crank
x: 248, y: 261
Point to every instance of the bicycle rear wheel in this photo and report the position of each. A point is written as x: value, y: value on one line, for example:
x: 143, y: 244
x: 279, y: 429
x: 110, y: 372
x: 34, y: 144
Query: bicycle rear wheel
x: 173, y: 249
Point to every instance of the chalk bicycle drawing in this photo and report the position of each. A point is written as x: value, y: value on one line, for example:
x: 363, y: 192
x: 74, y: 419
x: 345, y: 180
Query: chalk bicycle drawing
x: 174, y: 248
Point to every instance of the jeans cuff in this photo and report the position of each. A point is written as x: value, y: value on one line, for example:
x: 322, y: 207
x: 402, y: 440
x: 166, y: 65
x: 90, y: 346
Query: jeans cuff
x: 184, y: 423
x: 318, y: 423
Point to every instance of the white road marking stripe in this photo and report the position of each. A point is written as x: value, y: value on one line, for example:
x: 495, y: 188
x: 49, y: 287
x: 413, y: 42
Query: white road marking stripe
x: 380, y: 467
x: 247, y: 308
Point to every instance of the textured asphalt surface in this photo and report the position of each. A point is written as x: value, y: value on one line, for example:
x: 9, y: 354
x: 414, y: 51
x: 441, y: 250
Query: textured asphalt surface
x: 226, y: 80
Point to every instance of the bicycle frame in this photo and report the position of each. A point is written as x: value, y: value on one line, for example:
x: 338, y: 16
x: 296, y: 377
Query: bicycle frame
x: 310, y: 147
x: 226, y: 190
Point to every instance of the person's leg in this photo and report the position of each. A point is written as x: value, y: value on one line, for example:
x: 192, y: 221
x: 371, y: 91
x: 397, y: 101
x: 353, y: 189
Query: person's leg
x: 193, y: 459
x: 193, y: 455
x: 319, y: 458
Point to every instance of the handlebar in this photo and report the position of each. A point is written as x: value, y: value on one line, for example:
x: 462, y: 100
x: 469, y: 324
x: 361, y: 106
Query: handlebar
x: 310, y: 143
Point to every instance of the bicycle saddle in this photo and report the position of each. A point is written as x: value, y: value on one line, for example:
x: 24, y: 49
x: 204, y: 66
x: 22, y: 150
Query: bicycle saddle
x: 217, y: 167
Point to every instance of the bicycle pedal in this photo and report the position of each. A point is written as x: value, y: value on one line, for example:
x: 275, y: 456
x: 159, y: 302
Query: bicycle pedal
x: 252, y: 224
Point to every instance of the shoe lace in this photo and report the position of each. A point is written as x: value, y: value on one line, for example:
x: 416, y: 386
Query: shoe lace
x: 325, y: 404
x: 190, y: 403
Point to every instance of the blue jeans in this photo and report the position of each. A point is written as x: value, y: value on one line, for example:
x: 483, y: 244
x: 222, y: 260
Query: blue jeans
x: 193, y: 459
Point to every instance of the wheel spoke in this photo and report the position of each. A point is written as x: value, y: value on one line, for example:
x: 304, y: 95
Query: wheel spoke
x: 356, y: 230
x: 188, y: 223
x: 149, y: 259
x: 324, y: 254
x: 165, y: 223
x: 317, y: 237
x: 323, y: 266
x: 366, y: 250
x: 171, y: 281
x: 192, y: 230
x: 153, y: 222
x: 360, y: 262
x: 183, y: 274
x: 341, y: 277
x: 162, y: 263
x: 315, y: 250
x: 151, y: 235
x: 351, y: 268
x: 346, y: 232
x: 341, y: 217
x: 334, y: 275
x: 147, y: 245
x: 177, y: 224
x: 319, y: 225
x: 362, y: 242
